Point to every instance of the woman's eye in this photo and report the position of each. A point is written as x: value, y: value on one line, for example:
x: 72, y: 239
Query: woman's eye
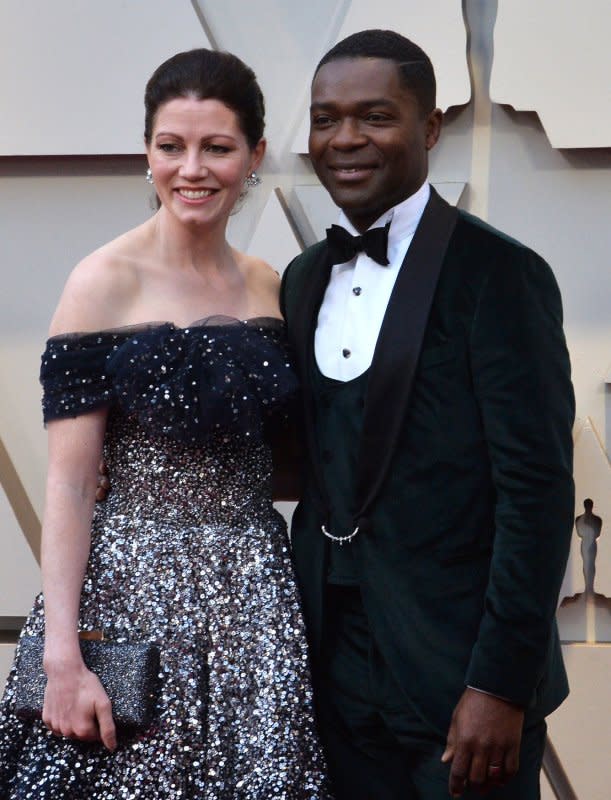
x: 217, y: 148
x: 168, y: 147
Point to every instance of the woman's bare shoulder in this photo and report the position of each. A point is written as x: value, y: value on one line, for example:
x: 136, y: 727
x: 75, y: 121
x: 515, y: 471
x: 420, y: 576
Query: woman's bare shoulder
x: 258, y: 270
x: 102, y: 287
x: 263, y: 283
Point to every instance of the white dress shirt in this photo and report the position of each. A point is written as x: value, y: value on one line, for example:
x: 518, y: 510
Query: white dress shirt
x: 358, y: 292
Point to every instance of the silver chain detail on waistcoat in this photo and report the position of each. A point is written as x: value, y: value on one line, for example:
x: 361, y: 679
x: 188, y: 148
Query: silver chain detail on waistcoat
x: 339, y: 539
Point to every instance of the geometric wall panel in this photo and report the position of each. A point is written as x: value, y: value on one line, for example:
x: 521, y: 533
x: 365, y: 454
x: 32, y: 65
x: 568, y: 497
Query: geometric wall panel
x: 316, y: 211
x: 554, y: 58
x: 72, y: 73
x: 581, y: 728
x: 16, y: 513
x: 547, y: 792
x: 19, y: 572
x: 6, y: 659
x: 282, y: 41
x: 451, y: 191
x: 437, y: 26
x: 50, y: 198
x: 275, y: 239
x: 22, y: 437
x: 72, y: 214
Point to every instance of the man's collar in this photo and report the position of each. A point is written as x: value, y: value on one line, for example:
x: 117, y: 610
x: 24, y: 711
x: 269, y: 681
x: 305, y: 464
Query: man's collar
x: 405, y: 216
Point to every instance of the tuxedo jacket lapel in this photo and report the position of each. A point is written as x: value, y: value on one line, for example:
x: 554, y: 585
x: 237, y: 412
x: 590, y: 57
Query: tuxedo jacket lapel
x: 398, y: 348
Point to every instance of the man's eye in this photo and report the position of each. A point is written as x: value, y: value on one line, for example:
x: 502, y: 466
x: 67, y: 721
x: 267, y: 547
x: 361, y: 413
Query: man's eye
x: 376, y: 117
x: 321, y: 119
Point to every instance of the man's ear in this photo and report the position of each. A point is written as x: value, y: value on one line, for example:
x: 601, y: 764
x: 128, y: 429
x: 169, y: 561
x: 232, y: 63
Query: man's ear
x: 433, y: 124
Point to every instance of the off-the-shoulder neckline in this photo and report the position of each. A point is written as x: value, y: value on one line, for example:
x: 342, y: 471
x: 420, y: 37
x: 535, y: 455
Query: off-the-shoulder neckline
x: 213, y: 321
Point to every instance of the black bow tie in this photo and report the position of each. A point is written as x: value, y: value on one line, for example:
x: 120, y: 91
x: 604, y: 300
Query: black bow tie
x: 343, y: 246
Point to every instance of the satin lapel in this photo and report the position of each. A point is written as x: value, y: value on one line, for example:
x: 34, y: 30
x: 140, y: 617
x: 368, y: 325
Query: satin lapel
x: 398, y: 348
x: 304, y: 326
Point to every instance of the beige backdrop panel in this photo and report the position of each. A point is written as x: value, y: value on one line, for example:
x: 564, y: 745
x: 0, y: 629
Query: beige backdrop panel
x: 19, y: 573
x: 72, y: 71
x: 562, y: 69
x: 49, y: 222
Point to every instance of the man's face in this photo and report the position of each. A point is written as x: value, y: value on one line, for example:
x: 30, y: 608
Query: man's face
x: 369, y: 140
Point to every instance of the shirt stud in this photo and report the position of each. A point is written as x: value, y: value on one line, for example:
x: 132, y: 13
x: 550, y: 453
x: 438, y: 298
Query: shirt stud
x: 346, y: 353
x: 357, y: 290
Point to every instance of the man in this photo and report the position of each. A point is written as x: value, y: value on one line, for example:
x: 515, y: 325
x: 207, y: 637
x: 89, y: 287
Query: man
x: 433, y: 532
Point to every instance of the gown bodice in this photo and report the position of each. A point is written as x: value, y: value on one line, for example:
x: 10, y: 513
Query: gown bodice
x: 188, y: 412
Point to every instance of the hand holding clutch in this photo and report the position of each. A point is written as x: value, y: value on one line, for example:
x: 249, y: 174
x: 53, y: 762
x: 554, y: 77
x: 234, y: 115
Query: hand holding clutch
x: 76, y: 705
x: 127, y: 671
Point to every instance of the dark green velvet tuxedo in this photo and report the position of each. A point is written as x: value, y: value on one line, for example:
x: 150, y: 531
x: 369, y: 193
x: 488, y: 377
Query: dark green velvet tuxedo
x: 464, y: 491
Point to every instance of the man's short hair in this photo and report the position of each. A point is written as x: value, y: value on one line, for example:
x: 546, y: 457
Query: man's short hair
x: 414, y: 65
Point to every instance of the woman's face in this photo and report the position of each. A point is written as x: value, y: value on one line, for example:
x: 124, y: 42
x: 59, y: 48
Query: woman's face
x: 199, y: 158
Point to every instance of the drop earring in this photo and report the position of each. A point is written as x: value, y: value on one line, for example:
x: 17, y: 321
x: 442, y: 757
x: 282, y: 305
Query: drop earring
x: 252, y: 180
x: 149, y: 176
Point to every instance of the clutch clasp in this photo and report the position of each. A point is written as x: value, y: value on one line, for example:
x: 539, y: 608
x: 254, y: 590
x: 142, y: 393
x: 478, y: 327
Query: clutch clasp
x: 92, y: 636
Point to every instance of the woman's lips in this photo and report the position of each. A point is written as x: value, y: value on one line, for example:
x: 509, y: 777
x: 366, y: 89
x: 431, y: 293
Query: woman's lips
x: 195, y: 196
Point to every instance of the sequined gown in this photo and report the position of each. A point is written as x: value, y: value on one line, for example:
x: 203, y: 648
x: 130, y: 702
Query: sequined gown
x: 188, y: 551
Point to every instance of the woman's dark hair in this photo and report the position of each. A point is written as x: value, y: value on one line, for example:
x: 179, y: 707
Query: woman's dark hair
x: 415, y: 67
x: 207, y: 74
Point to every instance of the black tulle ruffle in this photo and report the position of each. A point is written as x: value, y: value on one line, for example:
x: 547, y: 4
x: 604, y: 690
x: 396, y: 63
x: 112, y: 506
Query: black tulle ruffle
x: 218, y: 374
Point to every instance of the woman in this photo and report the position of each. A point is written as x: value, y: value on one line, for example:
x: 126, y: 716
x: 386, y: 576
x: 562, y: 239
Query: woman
x: 188, y: 551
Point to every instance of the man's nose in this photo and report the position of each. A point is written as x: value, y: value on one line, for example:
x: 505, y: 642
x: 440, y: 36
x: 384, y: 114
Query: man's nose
x: 348, y: 135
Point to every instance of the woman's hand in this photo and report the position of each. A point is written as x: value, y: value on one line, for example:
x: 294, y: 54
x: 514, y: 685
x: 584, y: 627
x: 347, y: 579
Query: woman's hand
x: 103, y: 487
x: 76, y: 705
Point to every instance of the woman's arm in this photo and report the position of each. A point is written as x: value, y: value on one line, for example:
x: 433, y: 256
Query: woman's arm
x: 75, y: 705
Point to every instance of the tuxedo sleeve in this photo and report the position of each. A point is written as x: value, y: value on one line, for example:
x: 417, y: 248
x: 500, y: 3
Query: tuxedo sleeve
x: 521, y: 378
x: 283, y: 290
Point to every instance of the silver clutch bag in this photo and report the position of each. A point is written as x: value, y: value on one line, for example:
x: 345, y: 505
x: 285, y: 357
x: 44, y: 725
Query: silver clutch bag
x: 129, y: 673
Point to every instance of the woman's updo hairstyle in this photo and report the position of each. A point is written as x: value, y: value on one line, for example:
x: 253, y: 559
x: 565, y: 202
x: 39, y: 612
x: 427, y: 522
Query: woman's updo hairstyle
x: 207, y: 75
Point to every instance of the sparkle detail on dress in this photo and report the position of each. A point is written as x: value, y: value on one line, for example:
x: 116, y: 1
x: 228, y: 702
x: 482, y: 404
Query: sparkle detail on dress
x: 187, y: 551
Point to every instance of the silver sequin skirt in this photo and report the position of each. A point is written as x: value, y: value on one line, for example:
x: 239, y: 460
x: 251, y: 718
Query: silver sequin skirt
x: 189, y: 552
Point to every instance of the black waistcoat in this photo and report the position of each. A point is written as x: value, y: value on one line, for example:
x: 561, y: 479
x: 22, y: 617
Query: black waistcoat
x: 339, y: 409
